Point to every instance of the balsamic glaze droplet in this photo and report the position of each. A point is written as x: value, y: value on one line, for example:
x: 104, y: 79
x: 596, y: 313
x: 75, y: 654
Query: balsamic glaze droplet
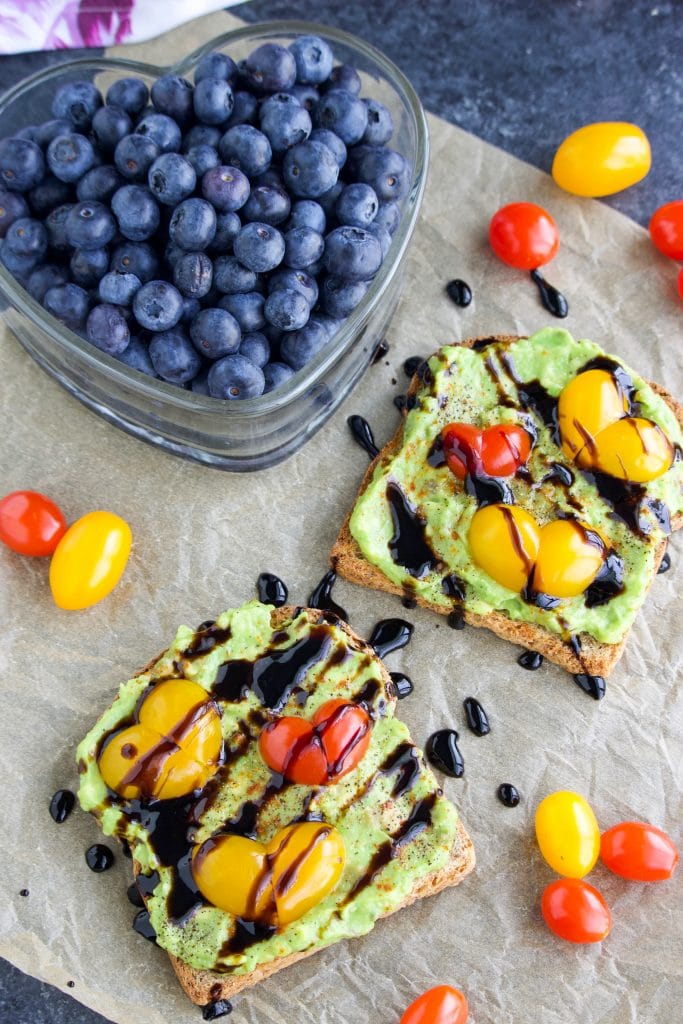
x: 61, y: 805
x: 321, y: 596
x: 665, y: 564
x: 403, y: 686
x: 361, y: 432
x: 212, y: 1011
x: 99, y: 858
x: 143, y: 926
x: 390, y: 635
x: 271, y: 589
x: 456, y: 619
x: 553, y: 300
x: 71, y: 984
x: 409, y: 602
x: 134, y: 897
x: 594, y: 686
x: 400, y: 402
x: 442, y: 751
x: 412, y: 365
x: 530, y: 660
x: 23, y: 892
x: 459, y: 292
x: 489, y: 490
x: 381, y: 350
x: 477, y: 719
x: 508, y: 794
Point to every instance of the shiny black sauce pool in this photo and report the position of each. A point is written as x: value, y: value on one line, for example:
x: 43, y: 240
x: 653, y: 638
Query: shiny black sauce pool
x: 271, y: 590
x: 508, y: 794
x: 321, y: 596
x: 134, y: 896
x: 403, y: 685
x: 361, y: 432
x: 99, y: 858
x: 442, y: 751
x: 459, y: 292
x: 552, y: 299
x: 477, y: 719
x: 61, y: 805
x: 408, y: 546
x: 143, y: 926
x: 594, y: 686
x: 390, y: 635
x: 665, y: 564
x: 212, y: 1011
x: 530, y: 660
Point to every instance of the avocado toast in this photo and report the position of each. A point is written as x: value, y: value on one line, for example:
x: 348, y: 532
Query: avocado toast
x: 409, y: 532
x: 257, y: 667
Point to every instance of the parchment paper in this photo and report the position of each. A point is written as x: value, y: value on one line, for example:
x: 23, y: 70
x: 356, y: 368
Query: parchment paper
x: 202, y: 537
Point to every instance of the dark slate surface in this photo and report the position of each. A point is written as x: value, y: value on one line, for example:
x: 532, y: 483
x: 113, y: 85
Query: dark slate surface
x: 521, y: 75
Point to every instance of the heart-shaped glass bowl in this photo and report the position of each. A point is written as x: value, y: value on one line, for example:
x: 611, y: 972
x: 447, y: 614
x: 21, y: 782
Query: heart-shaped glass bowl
x: 253, y: 433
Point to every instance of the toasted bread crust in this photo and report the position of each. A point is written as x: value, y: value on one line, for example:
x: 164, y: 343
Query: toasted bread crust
x: 596, y: 658
x: 205, y: 986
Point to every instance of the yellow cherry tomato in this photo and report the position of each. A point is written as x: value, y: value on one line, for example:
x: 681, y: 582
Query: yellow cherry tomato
x: 308, y: 862
x: 89, y: 560
x: 504, y: 542
x: 588, y: 404
x: 230, y: 872
x: 569, y: 559
x: 602, y: 158
x: 633, y: 449
x: 567, y: 834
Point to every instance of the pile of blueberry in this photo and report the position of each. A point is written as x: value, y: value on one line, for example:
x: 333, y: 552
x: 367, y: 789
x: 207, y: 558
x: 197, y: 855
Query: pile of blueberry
x: 218, y: 237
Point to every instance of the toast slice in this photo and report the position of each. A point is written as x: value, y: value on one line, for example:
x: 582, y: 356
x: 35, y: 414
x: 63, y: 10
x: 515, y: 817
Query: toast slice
x: 440, y: 835
x: 581, y: 653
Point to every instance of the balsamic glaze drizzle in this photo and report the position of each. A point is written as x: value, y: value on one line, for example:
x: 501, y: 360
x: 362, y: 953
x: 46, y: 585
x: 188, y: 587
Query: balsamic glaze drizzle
x: 477, y: 719
x: 459, y: 292
x: 321, y: 596
x: 390, y: 635
x: 442, y: 750
x: 409, y: 546
x: 381, y: 350
x: 271, y: 589
x: 403, y: 685
x: 508, y: 794
x: 61, y: 805
x: 412, y: 365
x: 665, y: 563
x: 594, y: 686
x: 99, y: 858
x: 530, y: 660
x: 212, y: 1011
x: 553, y: 300
x: 361, y: 432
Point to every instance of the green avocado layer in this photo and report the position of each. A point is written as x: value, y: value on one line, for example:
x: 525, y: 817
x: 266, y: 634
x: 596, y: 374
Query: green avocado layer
x: 464, y: 389
x: 362, y: 805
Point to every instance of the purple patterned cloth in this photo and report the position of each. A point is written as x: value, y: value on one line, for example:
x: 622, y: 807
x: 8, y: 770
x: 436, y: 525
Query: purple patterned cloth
x: 60, y: 24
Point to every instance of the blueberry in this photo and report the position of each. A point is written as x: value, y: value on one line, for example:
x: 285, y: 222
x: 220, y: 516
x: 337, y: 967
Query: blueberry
x: 380, y: 126
x: 70, y: 156
x: 174, y: 357
x: 172, y: 253
x: 27, y: 239
x: 247, y: 148
x: 309, y: 169
x: 99, y: 184
x: 286, y: 309
x: 388, y: 216
x: 109, y: 126
x: 386, y: 170
x: 339, y: 297
x: 285, y: 122
x: 306, y: 213
x: 256, y: 348
x: 193, y: 274
x: 68, y: 303
x: 333, y: 143
x: 299, y: 281
x: 299, y: 347
x: 342, y: 113
x: 331, y: 323
x: 107, y: 329
x: 172, y: 95
x: 28, y: 132
x: 190, y: 309
x: 276, y: 374
x: 202, y: 158
x: 49, y: 130
x: 357, y: 205
x: 136, y: 356
x: 228, y: 227
x: 247, y: 309
x: 193, y: 225
x: 353, y: 254
x: 382, y: 236
x: 162, y: 130
x: 22, y: 165
x: 268, y: 204
x: 307, y: 96
x: 135, y: 258
x: 134, y: 155
x: 49, y: 193
x: 245, y: 110
x: 213, y: 100
x: 230, y: 277
x: 19, y: 266
x: 344, y: 77
x: 136, y: 212
x: 88, y: 266
x: 171, y: 178
x: 303, y: 246
x: 131, y: 94
x: 270, y: 177
x: 157, y: 306
x: 44, y: 277
x: 235, y: 377
x: 55, y: 223
x: 313, y: 58
x: 226, y: 187
x: 118, y: 288
x: 215, y: 333
x: 328, y: 200
x: 216, y: 65
x: 89, y: 225
x: 201, y: 135
x: 270, y: 68
x: 260, y: 247
x: 77, y: 102
x: 200, y: 384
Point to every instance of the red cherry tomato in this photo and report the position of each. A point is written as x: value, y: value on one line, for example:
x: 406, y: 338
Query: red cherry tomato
x: 638, y: 851
x: 523, y: 235
x: 30, y: 523
x: 666, y: 229
x: 462, y: 444
x: 441, y: 1005
x: 680, y: 283
x: 575, y: 911
x: 496, y: 451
